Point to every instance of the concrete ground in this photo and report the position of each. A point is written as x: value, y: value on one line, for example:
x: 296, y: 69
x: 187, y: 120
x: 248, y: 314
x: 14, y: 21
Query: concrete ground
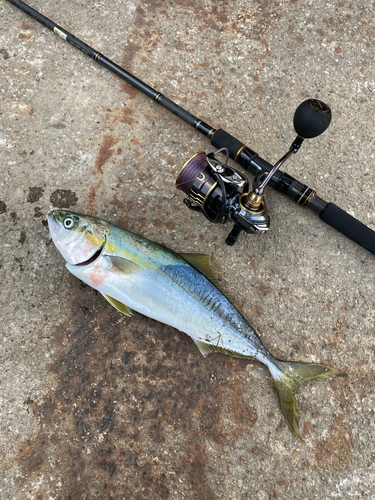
x: 98, y: 405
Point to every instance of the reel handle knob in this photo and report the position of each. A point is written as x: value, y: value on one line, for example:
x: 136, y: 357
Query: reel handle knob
x: 312, y: 118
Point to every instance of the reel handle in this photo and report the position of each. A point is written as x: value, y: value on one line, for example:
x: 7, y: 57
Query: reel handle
x: 312, y: 118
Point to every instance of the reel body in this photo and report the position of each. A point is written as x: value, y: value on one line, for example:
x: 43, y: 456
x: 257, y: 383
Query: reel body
x: 220, y: 193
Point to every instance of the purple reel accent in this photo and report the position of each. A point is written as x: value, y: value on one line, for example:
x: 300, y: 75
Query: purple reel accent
x: 190, y: 171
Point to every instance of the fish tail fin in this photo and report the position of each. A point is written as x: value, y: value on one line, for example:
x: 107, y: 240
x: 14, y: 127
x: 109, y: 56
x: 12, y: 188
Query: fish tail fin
x: 290, y: 378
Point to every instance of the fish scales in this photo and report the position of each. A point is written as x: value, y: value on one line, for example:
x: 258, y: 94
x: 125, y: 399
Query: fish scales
x: 207, y: 293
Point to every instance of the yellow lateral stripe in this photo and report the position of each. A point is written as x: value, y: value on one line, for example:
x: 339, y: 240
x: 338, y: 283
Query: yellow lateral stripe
x: 95, y: 240
x: 134, y: 257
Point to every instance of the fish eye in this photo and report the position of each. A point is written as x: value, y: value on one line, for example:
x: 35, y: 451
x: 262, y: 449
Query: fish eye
x: 68, y: 223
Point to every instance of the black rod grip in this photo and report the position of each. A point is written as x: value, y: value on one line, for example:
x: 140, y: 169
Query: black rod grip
x: 221, y: 139
x: 349, y: 226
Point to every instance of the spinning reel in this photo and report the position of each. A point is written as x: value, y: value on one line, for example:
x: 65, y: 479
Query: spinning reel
x: 222, y: 193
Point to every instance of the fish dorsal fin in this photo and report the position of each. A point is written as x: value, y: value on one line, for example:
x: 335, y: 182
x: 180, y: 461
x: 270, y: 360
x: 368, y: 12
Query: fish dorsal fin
x: 201, y: 261
x: 123, y: 265
x: 118, y: 305
x: 205, y: 348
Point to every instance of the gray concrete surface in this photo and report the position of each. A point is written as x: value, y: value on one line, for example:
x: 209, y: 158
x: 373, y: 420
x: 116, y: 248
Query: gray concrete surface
x: 96, y: 405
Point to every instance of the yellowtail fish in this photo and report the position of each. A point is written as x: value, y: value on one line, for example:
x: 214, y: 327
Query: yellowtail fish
x: 180, y: 290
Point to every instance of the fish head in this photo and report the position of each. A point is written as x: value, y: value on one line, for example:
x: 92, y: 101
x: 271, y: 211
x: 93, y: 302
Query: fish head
x: 79, y: 238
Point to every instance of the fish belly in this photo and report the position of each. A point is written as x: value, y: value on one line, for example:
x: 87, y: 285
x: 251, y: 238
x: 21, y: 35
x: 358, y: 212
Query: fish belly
x: 180, y: 304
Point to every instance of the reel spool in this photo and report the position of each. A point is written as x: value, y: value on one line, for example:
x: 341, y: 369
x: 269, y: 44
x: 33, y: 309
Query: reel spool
x: 222, y: 193
x: 210, y: 184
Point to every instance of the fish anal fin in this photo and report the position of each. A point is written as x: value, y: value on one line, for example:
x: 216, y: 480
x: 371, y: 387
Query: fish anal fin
x: 206, y: 348
x: 118, y: 305
x: 203, y: 347
x: 124, y: 266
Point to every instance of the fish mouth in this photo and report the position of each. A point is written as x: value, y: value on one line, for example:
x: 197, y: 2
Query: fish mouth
x: 93, y: 258
x: 53, y: 225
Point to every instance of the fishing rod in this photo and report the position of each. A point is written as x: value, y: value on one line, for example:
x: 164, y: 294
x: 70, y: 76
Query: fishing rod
x: 218, y: 191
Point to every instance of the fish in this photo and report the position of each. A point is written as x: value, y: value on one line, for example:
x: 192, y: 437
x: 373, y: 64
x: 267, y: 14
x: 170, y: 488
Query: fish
x: 134, y: 273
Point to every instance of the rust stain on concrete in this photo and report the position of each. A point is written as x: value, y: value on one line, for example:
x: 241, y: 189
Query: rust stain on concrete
x: 335, y: 451
x: 23, y: 36
x: 122, y: 115
x: 91, y: 202
x: 130, y: 52
x: 105, y: 153
x: 27, y: 26
x: 262, y: 289
x: 132, y: 409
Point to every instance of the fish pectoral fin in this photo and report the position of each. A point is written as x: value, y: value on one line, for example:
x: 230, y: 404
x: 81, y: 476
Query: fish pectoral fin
x: 124, y: 266
x: 119, y: 305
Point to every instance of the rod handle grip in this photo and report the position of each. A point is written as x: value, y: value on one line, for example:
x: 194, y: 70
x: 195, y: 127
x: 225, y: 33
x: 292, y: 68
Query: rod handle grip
x: 221, y: 139
x: 349, y: 226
